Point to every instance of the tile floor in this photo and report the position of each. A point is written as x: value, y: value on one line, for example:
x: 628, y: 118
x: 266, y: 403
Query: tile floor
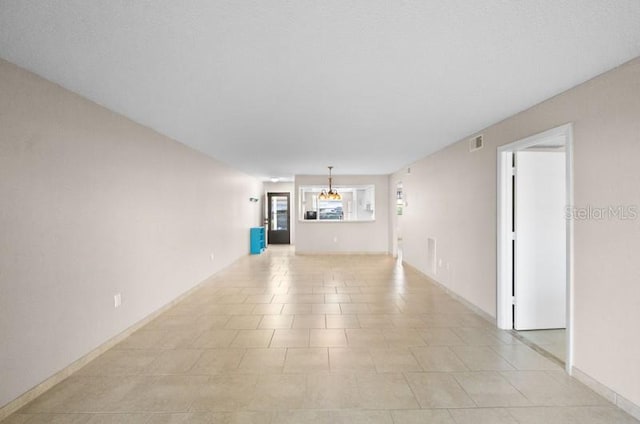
x: 552, y: 341
x: 280, y: 338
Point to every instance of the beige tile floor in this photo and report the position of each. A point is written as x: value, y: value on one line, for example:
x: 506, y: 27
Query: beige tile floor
x: 280, y: 338
x: 552, y: 341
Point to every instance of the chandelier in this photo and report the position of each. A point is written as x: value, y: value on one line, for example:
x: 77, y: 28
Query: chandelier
x: 332, y: 194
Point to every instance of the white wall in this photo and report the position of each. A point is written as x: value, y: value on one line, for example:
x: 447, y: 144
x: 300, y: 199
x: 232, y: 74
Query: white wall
x: 284, y: 187
x: 365, y: 237
x: 452, y: 196
x: 94, y: 204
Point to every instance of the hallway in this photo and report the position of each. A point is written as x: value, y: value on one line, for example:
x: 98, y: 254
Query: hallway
x: 280, y: 338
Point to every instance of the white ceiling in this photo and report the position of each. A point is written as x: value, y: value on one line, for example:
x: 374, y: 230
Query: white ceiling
x: 277, y: 88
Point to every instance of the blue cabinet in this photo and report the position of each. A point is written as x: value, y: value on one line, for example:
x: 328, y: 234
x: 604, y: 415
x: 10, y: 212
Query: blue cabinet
x: 258, y: 240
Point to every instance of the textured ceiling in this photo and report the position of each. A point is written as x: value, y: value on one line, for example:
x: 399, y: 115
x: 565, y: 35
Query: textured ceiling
x: 276, y: 88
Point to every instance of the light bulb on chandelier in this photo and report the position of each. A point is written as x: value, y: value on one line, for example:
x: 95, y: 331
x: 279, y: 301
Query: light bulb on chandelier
x: 332, y: 194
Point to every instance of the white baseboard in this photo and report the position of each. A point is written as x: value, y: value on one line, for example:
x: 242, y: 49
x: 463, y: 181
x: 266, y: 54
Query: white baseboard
x: 47, y: 384
x: 309, y: 253
x: 456, y: 296
x: 621, y: 402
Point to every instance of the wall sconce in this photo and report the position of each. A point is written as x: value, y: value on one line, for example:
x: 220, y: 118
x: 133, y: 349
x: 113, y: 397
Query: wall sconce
x: 253, y: 199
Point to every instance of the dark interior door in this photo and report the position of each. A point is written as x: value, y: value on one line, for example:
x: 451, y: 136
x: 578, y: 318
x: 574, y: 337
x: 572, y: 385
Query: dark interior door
x: 279, y: 218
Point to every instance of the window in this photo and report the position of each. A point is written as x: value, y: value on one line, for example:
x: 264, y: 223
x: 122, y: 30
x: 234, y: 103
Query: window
x: 357, y: 204
x: 330, y: 209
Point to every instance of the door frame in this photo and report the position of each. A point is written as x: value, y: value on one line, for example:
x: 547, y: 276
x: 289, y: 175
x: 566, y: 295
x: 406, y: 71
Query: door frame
x: 504, y: 300
x: 395, y: 221
x: 278, y: 194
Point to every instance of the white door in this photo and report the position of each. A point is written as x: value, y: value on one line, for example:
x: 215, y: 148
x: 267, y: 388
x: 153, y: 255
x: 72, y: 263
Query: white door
x: 540, y: 241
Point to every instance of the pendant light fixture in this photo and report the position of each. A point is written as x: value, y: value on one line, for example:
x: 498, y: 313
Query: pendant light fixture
x: 332, y: 194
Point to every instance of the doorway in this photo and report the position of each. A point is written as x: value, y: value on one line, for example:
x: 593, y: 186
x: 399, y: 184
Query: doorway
x: 399, y: 211
x: 535, y: 248
x: 279, y: 218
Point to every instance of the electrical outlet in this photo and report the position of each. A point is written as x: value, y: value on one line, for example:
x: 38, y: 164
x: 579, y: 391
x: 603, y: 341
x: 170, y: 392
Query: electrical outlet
x: 335, y: 239
x: 212, y: 256
x: 440, y: 263
x: 117, y: 300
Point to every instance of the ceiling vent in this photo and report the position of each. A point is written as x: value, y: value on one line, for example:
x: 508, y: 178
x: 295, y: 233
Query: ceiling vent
x: 476, y: 143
